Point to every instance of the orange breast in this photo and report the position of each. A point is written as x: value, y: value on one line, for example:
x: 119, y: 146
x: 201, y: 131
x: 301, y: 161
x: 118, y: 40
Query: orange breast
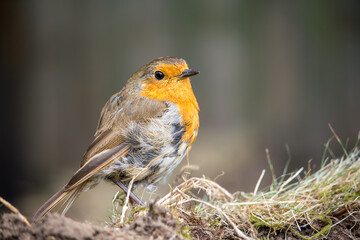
x: 180, y: 93
x: 190, y: 117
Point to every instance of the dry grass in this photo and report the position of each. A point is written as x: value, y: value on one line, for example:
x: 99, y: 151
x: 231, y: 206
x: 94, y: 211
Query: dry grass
x: 293, y: 202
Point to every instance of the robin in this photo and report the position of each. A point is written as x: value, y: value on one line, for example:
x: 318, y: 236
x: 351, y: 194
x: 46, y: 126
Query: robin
x: 143, y: 133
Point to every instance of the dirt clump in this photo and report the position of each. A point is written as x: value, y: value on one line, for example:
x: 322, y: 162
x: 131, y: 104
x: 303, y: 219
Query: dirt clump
x: 51, y: 227
x: 156, y: 224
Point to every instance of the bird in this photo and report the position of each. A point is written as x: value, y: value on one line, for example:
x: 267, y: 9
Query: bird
x: 143, y: 133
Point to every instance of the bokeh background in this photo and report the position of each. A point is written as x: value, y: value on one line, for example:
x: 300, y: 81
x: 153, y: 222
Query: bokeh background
x: 273, y: 73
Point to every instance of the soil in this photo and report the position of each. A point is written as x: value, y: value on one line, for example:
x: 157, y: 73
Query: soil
x: 158, y: 223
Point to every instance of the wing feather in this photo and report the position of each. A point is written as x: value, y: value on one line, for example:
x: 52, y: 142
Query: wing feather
x: 97, y: 163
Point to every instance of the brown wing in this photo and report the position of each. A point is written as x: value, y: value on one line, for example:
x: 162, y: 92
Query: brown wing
x: 109, y: 143
x: 121, y: 109
x: 108, y: 139
x: 97, y: 163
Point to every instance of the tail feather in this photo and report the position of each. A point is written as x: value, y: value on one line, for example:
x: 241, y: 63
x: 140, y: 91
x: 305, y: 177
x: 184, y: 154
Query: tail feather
x: 69, y: 193
x: 70, y: 200
x: 62, y: 195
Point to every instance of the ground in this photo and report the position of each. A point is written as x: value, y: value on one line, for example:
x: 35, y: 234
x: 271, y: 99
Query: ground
x: 322, y: 205
x: 158, y: 223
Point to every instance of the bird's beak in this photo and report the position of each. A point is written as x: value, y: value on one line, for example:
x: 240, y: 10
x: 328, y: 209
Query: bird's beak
x: 188, y: 73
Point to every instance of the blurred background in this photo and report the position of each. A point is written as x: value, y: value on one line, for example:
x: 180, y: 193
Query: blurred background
x: 273, y: 73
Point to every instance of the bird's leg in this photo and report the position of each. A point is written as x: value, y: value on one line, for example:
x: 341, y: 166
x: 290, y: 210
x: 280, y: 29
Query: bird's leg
x: 133, y: 197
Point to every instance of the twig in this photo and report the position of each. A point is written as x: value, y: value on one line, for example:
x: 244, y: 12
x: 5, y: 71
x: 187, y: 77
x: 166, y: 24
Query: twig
x: 125, y: 207
x: 338, y: 139
x: 286, y: 164
x: 258, y: 182
x: 271, y: 167
x: 15, y: 210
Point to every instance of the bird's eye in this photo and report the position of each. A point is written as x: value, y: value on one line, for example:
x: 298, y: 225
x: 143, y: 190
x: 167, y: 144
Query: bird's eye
x: 159, y: 75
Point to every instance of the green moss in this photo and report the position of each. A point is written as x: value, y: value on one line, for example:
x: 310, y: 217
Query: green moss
x: 323, y: 231
x: 185, y: 232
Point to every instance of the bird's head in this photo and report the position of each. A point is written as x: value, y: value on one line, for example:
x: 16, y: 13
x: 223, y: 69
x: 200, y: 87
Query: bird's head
x: 165, y: 79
